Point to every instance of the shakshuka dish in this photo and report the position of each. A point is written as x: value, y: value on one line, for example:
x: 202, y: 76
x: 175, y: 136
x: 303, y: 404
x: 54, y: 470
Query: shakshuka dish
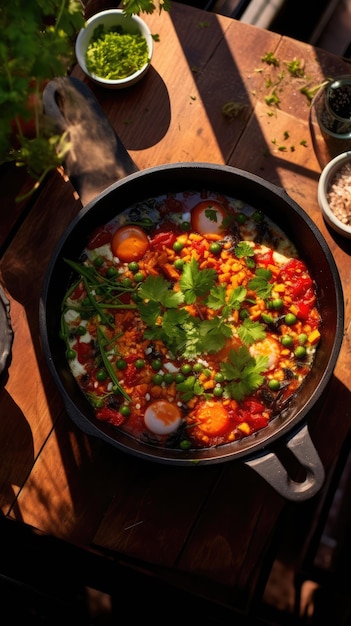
x: 190, y: 321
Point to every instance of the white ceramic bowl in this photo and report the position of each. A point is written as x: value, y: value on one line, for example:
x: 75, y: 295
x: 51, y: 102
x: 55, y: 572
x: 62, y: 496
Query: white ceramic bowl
x: 111, y: 18
x: 326, y: 180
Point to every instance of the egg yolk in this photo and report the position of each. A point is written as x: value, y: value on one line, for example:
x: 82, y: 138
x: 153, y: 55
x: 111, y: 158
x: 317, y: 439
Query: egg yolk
x: 162, y: 417
x: 129, y: 243
x: 211, y: 418
x: 207, y: 218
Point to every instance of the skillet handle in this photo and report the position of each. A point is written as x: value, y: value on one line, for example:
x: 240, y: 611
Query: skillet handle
x: 272, y: 470
x: 96, y: 157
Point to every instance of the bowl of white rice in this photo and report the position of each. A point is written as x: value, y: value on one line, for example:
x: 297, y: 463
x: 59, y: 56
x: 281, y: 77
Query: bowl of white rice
x: 334, y: 194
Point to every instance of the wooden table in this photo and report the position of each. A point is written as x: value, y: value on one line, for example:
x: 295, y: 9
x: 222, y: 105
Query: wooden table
x: 211, y: 527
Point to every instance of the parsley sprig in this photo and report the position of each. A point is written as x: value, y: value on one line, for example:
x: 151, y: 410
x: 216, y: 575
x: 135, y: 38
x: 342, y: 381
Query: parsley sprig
x: 243, y: 372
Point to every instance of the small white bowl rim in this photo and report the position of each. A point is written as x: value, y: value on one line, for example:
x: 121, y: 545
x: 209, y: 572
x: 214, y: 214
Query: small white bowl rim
x: 326, y: 176
x: 99, y: 17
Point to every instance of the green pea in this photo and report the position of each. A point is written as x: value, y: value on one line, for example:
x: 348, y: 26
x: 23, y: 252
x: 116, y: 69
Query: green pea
x: 157, y: 379
x: 139, y: 364
x: 133, y: 266
x: 179, y: 264
x: 218, y: 391
x: 207, y: 372
x: 156, y: 364
x: 300, y: 352
x: 111, y: 272
x: 185, y: 444
x: 185, y: 226
x: 290, y: 319
x: 277, y: 303
x: 241, y: 218
x: 197, y: 368
x: 243, y: 314
x: 186, y: 368
x: 219, y: 377
x: 70, y: 354
x: 121, y: 364
x: 101, y: 375
x: 139, y: 277
x: 274, y: 384
x: 98, y: 403
x: 178, y: 246
x: 81, y: 330
x: 125, y: 410
x: 98, y: 261
x: 179, y: 378
x: 168, y: 378
x: 126, y: 282
x: 302, y: 338
x: 287, y: 341
x: 258, y: 216
x: 136, y: 298
x: 215, y: 247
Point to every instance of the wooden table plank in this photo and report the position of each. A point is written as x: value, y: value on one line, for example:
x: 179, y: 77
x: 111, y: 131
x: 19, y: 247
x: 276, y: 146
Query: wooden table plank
x: 209, y: 525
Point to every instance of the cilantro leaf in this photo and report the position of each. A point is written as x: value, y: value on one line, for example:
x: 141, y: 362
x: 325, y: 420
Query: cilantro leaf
x: 250, y: 331
x: 211, y: 214
x: 243, y: 372
x: 213, y: 335
x: 218, y: 299
x: 150, y: 312
x: 260, y: 283
x: 158, y: 289
x: 237, y: 297
x: 196, y: 283
x: 189, y: 387
x: 244, y: 249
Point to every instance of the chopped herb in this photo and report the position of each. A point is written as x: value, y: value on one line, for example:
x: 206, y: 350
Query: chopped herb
x: 272, y: 99
x: 116, y: 54
x: 310, y: 92
x: 233, y: 109
x: 270, y: 59
x: 296, y: 68
x: 244, y: 249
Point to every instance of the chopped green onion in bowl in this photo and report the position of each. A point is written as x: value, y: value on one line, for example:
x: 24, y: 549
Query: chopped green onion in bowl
x: 116, y: 54
x: 114, y: 50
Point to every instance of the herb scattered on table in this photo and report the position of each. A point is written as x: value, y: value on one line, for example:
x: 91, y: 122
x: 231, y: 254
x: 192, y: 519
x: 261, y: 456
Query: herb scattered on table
x: 296, y: 67
x: 233, y: 109
x: 270, y: 59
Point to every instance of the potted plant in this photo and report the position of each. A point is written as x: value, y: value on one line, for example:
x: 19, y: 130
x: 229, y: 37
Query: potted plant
x: 37, y: 44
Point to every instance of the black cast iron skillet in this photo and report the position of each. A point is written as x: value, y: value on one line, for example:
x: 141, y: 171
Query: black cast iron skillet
x: 71, y: 104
